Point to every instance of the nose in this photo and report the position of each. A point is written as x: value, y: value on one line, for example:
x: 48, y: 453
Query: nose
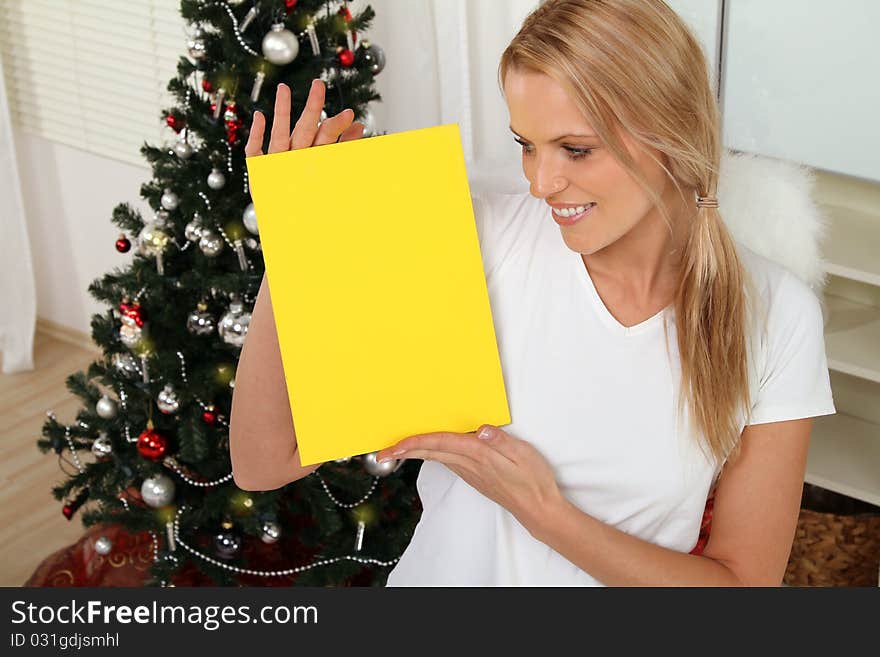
x: 546, y: 179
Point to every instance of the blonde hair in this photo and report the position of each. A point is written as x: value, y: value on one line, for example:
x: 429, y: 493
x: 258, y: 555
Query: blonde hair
x: 633, y: 66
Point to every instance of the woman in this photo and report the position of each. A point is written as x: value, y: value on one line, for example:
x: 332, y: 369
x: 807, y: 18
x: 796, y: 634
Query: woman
x: 647, y: 356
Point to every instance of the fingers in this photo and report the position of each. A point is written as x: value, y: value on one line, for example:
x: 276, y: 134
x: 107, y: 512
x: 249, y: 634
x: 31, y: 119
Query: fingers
x: 309, y: 129
x: 331, y: 129
x: 307, y: 126
x: 254, y: 144
x: 354, y: 131
x: 281, y: 123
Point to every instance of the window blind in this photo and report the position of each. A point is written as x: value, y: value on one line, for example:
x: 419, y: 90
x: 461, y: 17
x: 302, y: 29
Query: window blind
x: 92, y: 73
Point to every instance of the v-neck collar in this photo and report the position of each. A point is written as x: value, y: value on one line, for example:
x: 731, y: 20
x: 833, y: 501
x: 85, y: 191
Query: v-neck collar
x: 583, y: 274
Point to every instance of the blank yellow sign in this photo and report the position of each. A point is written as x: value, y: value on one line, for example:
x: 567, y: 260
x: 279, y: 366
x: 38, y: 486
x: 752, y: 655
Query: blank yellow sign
x: 377, y: 286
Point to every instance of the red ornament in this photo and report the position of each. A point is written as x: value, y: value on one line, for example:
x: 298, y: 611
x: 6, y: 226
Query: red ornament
x: 152, y: 445
x: 206, y: 85
x: 210, y: 416
x: 174, y: 122
x: 233, y: 122
x: 71, y: 507
x: 289, y: 5
x: 346, y: 57
x: 122, y: 244
x: 345, y: 13
x: 134, y: 311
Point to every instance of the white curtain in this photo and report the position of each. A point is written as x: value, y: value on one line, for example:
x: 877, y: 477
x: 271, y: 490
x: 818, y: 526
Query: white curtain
x: 18, y: 303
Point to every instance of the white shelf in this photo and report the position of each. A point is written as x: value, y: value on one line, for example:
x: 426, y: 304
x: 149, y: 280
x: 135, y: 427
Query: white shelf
x: 853, y: 246
x: 845, y: 457
x: 852, y: 338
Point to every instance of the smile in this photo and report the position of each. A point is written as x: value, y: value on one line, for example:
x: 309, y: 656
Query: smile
x: 569, y: 217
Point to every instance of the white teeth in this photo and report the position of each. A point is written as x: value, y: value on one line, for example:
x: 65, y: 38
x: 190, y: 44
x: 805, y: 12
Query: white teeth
x: 571, y: 212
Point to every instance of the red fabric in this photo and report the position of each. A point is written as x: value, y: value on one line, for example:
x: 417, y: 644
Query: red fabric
x: 705, y: 526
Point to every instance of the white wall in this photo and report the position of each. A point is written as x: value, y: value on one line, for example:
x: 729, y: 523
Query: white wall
x: 69, y: 196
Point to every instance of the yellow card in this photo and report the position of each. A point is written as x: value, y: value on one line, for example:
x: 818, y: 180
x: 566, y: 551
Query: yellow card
x: 377, y: 285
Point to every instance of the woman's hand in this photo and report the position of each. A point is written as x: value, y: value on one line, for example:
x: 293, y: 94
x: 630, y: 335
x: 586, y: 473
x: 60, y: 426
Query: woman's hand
x: 309, y: 129
x: 505, y: 469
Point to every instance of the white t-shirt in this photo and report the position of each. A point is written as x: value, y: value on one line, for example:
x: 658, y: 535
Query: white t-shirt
x: 598, y: 400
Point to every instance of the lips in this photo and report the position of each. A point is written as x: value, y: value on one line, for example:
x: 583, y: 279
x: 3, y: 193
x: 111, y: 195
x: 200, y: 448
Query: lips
x: 570, y: 221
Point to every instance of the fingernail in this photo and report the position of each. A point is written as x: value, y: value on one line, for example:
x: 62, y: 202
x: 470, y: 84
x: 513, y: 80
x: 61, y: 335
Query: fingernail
x: 484, y: 433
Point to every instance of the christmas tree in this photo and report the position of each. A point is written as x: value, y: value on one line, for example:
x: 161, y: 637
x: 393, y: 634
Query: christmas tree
x: 156, y: 406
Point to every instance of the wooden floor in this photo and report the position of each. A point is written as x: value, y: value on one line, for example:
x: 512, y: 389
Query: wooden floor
x: 31, y: 523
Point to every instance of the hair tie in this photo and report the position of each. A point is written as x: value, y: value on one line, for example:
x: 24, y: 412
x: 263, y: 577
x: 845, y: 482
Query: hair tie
x: 707, y: 202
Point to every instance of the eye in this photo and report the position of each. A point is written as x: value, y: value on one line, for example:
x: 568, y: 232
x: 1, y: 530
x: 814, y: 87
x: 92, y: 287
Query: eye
x: 573, y: 153
x: 524, y: 145
x: 579, y: 153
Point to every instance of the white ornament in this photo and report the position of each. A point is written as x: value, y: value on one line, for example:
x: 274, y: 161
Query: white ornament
x: 249, y: 217
x: 193, y: 230
x: 270, y: 531
x: 373, y: 467
x: 169, y: 200
x: 280, y: 45
x: 233, y: 326
x: 157, y: 491
x: 102, y: 447
x: 196, y: 45
x: 183, y: 150
x: 106, y: 408
x: 216, y: 179
x: 167, y: 400
x: 103, y: 545
x: 200, y: 322
x: 210, y: 243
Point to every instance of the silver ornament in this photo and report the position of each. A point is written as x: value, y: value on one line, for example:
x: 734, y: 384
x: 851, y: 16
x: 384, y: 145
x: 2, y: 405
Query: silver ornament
x: 344, y: 459
x: 167, y: 400
x: 182, y: 150
x: 233, y: 326
x: 280, y: 45
x: 210, y: 243
x: 106, y: 408
x: 196, y: 45
x: 153, y: 240
x: 216, y: 179
x: 102, y: 447
x: 370, y: 56
x: 126, y: 364
x: 200, y: 322
x: 369, y: 122
x: 249, y: 217
x: 169, y: 200
x: 227, y: 545
x: 193, y: 230
x: 103, y: 545
x: 323, y: 115
x: 130, y: 334
x: 157, y: 491
x: 270, y: 531
x: 373, y: 467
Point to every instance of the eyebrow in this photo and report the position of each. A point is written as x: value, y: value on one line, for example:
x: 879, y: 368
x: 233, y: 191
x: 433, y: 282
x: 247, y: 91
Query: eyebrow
x: 560, y: 138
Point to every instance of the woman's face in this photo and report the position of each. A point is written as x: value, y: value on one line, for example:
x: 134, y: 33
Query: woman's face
x: 565, y: 163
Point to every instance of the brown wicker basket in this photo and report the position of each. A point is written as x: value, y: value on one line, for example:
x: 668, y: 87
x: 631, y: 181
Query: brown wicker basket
x: 835, y: 549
